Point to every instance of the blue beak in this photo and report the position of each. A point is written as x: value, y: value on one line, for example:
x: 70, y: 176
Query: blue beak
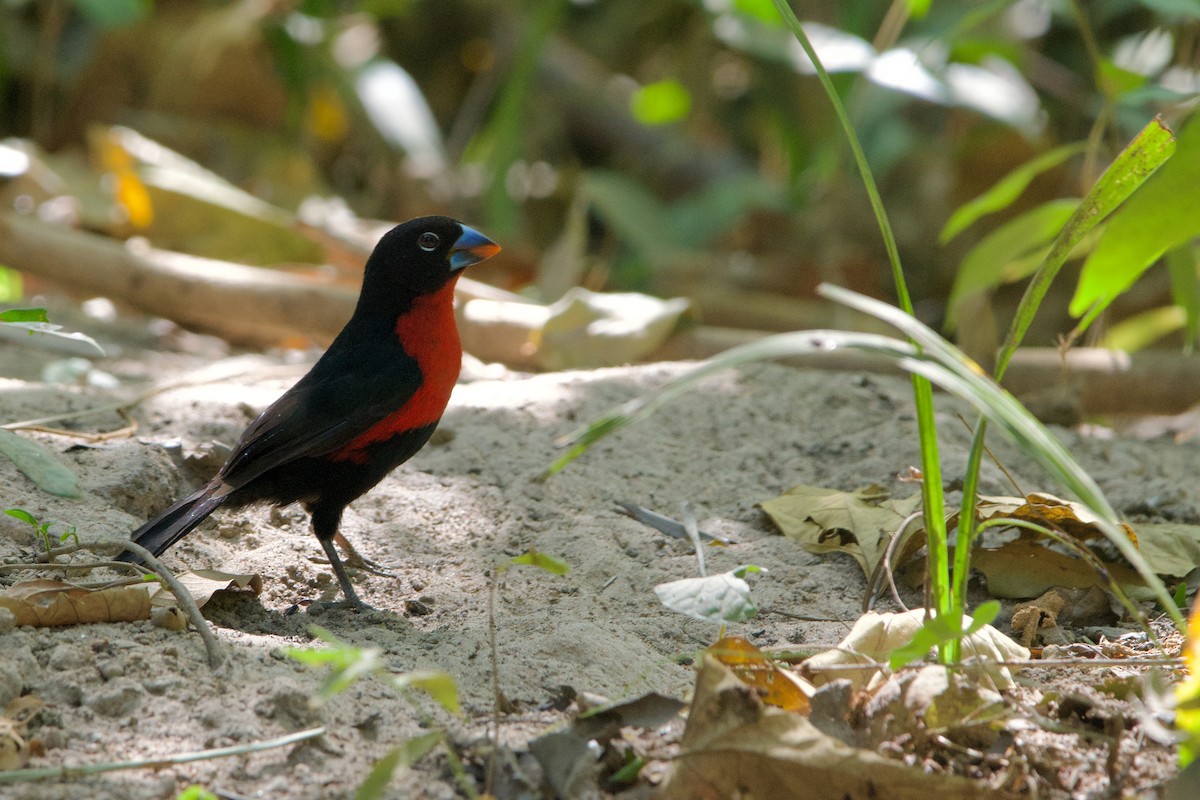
x: 471, y: 247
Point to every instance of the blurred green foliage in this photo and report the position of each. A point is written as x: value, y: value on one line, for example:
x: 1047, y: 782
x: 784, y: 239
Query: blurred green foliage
x: 694, y: 131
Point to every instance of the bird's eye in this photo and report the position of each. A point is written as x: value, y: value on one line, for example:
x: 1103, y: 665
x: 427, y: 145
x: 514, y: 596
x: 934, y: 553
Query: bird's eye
x: 428, y: 241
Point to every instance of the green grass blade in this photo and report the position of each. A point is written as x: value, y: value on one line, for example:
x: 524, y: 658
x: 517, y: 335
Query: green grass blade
x: 949, y: 368
x: 931, y: 487
x: 1185, y: 290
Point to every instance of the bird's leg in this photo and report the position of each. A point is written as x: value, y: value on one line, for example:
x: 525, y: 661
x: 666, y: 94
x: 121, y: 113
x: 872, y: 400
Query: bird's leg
x: 325, y: 519
x: 359, y: 561
x: 335, y: 561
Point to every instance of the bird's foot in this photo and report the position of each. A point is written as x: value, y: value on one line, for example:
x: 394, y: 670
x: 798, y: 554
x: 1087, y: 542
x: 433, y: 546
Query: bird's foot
x: 339, y: 570
x: 356, y: 605
x: 358, y: 561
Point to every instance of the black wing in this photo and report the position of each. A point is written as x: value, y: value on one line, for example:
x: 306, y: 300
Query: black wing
x: 351, y: 388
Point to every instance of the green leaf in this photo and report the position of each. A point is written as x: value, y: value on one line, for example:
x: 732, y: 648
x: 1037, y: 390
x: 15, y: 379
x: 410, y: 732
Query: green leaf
x: 403, y: 755
x: 715, y: 598
x: 1009, y: 253
x: 39, y: 465
x: 24, y: 315
x: 1006, y: 190
x: 1129, y: 170
x: 534, y: 558
x: 348, y: 663
x: 940, y: 630
x: 195, y: 792
x: 113, y: 13
x: 1115, y: 81
x: 1161, y: 216
x: 12, y: 286
x: 377, y: 780
x: 24, y: 322
x: 312, y: 656
x: 22, y: 515
x: 1141, y: 330
x: 917, y: 9
x: 629, y: 772
x: 435, y: 683
x: 661, y: 103
x: 761, y: 10
x: 581, y: 439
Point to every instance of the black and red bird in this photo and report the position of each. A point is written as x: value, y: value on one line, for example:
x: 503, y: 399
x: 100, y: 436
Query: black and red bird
x: 367, y: 406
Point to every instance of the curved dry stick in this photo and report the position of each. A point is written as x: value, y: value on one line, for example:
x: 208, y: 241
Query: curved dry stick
x: 216, y: 655
x: 72, y: 773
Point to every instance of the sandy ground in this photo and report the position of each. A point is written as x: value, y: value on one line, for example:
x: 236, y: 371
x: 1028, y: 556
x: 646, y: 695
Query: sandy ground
x: 441, y: 524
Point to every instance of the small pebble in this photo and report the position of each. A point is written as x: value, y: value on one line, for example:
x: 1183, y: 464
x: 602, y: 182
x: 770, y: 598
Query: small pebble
x: 160, y: 684
x: 67, y: 656
x: 417, y: 608
x: 115, y: 699
x: 169, y: 618
x: 112, y: 669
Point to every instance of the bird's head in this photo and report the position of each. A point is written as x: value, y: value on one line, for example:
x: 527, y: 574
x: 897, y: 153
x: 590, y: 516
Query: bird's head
x: 422, y: 255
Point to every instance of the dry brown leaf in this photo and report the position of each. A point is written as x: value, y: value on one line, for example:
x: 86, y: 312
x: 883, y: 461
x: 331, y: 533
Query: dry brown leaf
x: 735, y: 746
x: 23, y: 709
x: 1170, y: 548
x: 1025, y: 568
x: 1073, y: 519
x: 44, y: 603
x: 202, y: 584
x: 776, y: 686
x: 875, y: 635
x: 933, y: 698
x: 14, y: 749
x: 827, y: 520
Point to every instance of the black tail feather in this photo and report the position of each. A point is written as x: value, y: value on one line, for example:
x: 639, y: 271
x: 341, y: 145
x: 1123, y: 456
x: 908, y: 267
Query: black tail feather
x: 176, y: 522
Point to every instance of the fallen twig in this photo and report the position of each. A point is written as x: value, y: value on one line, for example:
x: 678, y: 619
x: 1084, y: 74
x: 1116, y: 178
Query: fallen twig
x: 70, y: 773
x: 216, y: 656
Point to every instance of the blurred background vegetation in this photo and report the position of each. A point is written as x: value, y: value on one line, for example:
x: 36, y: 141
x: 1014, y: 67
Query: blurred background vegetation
x: 679, y: 147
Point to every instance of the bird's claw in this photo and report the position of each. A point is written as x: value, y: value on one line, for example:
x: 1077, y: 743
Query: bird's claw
x: 358, y: 561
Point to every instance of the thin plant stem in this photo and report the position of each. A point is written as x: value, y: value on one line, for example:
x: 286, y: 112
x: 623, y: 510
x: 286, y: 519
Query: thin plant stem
x: 933, y: 498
